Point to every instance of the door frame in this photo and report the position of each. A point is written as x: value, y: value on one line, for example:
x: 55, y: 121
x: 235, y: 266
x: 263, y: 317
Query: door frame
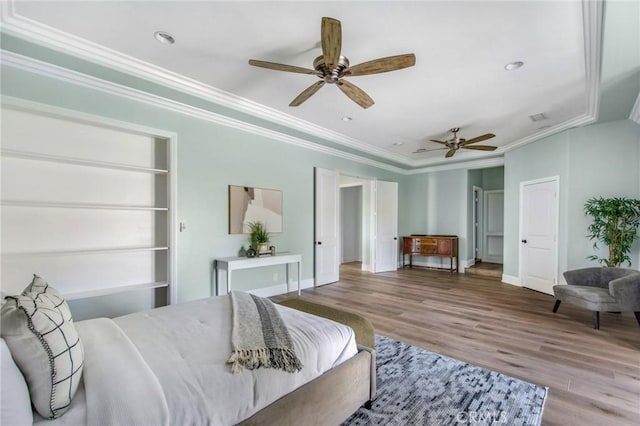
x: 555, y: 179
x: 478, y: 232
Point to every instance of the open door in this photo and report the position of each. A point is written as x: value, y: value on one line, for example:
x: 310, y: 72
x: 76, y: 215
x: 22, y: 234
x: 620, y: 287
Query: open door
x: 326, y: 262
x: 385, y: 214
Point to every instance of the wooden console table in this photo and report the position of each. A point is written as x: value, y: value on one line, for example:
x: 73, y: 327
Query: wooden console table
x: 431, y: 245
x: 228, y: 264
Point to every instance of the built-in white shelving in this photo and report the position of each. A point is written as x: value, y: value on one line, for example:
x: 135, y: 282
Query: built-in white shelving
x: 79, y: 161
x: 86, y: 204
x: 20, y: 203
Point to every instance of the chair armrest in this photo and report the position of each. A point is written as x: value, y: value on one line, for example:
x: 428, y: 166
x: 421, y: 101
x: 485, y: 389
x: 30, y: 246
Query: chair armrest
x: 626, y: 290
x: 586, y: 276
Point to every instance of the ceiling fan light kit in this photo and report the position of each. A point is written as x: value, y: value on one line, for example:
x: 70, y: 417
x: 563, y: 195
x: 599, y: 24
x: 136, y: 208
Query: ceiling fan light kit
x: 332, y: 67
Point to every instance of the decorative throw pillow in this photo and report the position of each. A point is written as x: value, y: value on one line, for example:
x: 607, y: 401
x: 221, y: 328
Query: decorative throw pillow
x: 45, y: 345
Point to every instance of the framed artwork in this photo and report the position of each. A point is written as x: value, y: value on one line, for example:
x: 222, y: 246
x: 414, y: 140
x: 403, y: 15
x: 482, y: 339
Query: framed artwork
x: 248, y: 204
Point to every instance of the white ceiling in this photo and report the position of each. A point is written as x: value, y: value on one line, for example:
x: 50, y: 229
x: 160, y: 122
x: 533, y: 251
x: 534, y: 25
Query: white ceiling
x: 459, y: 78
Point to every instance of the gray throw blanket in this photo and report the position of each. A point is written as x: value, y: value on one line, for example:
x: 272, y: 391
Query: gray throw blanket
x: 259, y: 337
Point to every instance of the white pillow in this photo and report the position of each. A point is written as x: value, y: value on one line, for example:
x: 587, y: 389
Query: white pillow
x: 45, y: 345
x: 14, y: 395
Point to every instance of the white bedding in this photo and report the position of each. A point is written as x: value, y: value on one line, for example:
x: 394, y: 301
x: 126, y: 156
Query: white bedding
x: 184, y: 347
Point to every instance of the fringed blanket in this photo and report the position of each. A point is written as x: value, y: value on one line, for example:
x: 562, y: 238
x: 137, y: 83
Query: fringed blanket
x: 259, y: 337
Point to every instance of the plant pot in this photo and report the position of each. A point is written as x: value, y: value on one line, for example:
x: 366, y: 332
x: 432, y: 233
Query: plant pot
x: 262, y: 248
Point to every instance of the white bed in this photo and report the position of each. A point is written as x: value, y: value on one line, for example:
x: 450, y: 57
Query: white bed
x: 168, y: 366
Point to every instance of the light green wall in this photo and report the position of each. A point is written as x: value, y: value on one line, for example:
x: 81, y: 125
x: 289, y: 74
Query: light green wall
x: 601, y: 159
x: 210, y: 157
x: 437, y: 203
x: 604, y: 161
x: 548, y: 157
x: 493, y: 178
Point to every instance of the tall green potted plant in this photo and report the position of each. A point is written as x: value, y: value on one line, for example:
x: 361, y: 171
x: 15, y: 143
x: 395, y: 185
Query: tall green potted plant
x: 615, y: 223
x: 259, y: 236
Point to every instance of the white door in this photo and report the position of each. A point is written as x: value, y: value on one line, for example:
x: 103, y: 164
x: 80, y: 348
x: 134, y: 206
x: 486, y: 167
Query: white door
x: 326, y: 267
x: 493, y: 226
x: 385, y: 213
x: 538, y: 234
x: 477, y: 230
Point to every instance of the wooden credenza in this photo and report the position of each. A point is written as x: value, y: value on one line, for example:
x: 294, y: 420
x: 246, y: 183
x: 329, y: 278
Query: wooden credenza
x: 431, y: 245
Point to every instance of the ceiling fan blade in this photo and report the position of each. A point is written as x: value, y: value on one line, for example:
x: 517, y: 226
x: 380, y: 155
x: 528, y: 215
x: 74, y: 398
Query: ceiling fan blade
x: 281, y: 67
x: 306, y: 93
x: 479, y: 139
x: 355, y: 93
x: 331, y: 37
x: 480, y: 147
x: 450, y: 153
x: 376, y: 66
x: 433, y: 140
x: 421, y: 150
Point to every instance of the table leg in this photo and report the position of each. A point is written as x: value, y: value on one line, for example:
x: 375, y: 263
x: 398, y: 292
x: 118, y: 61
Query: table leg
x: 228, y: 281
x: 287, y: 274
x: 299, y: 276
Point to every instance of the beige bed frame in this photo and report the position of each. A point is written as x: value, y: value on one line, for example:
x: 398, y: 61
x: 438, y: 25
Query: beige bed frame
x: 327, y: 400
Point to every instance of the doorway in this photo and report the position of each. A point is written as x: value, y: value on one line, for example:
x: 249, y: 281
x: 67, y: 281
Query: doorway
x: 351, y: 223
x: 371, y: 226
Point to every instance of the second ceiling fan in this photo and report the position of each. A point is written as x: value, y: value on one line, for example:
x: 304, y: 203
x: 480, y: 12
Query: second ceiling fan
x: 331, y: 67
x: 456, y: 143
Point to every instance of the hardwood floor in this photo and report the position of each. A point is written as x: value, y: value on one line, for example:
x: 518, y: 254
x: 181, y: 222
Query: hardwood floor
x: 593, y: 375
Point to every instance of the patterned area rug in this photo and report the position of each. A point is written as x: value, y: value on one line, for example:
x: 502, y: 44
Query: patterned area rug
x: 418, y: 387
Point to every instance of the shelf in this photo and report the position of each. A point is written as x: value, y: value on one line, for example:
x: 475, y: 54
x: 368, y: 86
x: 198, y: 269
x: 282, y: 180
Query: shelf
x: 113, y: 290
x: 79, y: 161
x: 85, y: 252
x: 17, y: 203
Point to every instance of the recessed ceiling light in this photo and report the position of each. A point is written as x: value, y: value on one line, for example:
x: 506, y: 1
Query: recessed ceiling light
x: 513, y: 65
x: 398, y: 143
x: 164, y: 37
x: 346, y: 118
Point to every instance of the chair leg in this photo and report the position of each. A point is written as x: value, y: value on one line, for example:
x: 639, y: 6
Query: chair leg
x: 637, y: 314
x: 556, y: 306
x: 596, y: 320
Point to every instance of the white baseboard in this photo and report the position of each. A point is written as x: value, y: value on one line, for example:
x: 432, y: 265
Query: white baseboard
x: 278, y: 289
x: 510, y: 279
x: 348, y: 259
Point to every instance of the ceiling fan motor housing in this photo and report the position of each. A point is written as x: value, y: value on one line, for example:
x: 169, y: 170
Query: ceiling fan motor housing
x: 330, y: 76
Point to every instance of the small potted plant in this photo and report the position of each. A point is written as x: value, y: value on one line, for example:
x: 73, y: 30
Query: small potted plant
x: 259, y: 237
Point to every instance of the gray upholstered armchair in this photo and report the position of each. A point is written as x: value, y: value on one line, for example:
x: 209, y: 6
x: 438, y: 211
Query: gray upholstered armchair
x: 601, y: 289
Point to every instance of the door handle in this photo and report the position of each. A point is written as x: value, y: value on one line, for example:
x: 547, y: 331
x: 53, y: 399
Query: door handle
x: 395, y: 238
x: 319, y: 243
x: 524, y: 241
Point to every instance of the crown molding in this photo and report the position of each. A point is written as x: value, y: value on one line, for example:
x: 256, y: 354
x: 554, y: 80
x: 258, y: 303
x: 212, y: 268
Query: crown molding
x: 25, y: 28
x: 29, y: 29
x: 470, y: 165
x: 35, y: 66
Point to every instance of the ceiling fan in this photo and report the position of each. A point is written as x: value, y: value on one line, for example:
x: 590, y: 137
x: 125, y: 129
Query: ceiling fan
x: 455, y: 143
x: 331, y: 67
